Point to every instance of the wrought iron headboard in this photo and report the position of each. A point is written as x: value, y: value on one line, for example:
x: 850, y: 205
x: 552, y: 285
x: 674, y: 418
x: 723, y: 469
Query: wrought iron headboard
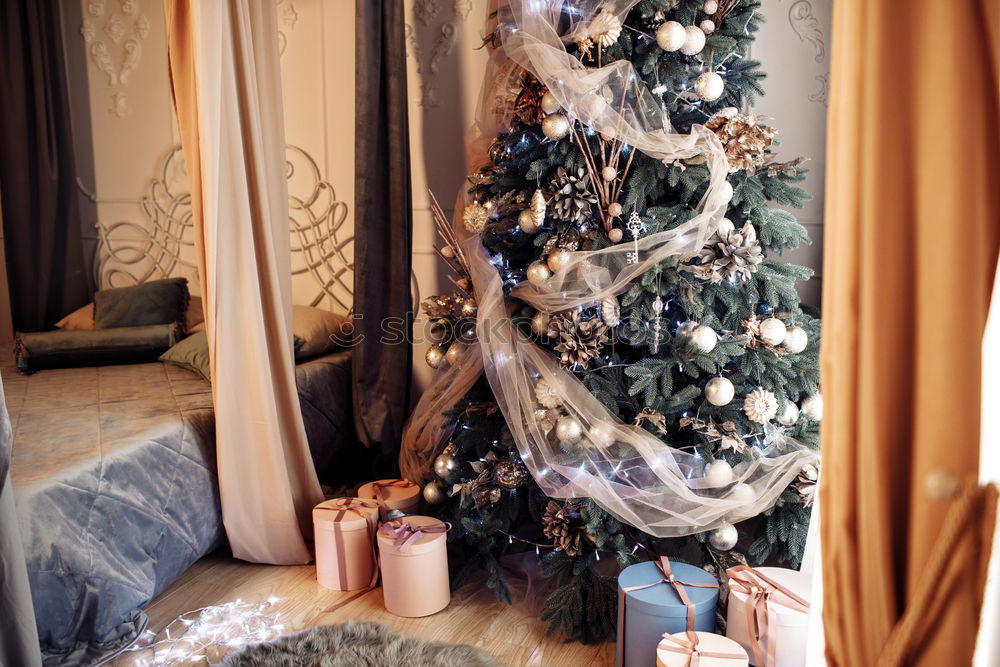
x: 129, y: 253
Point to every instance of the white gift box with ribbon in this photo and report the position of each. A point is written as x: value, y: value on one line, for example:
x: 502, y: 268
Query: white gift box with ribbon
x: 768, y: 614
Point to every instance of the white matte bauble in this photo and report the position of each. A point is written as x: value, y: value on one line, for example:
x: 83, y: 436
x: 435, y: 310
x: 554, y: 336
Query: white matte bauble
x: 609, y: 173
x: 727, y: 191
x: 796, y: 340
x: 694, y: 40
x: 742, y: 493
x: 671, y: 36
x: 704, y: 338
x: 538, y: 273
x: 789, y: 415
x: 614, y: 209
x: 707, y: 26
x: 569, y: 430
x: 526, y: 220
x: 434, y: 356
x: 773, y: 331
x: 709, y: 86
x: 454, y: 352
x: 710, y: 7
x: 718, y: 473
x: 812, y: 407
x: 540, y: 323
x: 433, y: 493
x: 558, y: 259
x: 444, y: 465
x: 549, y: 103
x: 615, y: 235
x: 555, y: 127
x: 720, y: 391
x: 602, y: 434
x: 725, y: 228
x: 724, y: 537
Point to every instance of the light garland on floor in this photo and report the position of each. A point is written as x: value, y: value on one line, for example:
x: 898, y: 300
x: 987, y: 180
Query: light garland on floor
x: 208, y: 635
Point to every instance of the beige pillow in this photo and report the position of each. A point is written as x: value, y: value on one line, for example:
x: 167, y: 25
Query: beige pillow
x: 194, y: 316
x: 319, y: 331
x: 81, y: 319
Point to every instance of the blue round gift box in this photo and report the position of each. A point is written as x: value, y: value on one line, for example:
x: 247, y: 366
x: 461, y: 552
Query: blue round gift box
x: 653, y: 611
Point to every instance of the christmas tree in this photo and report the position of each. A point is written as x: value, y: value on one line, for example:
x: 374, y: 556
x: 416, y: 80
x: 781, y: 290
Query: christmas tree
x: 626, y: 367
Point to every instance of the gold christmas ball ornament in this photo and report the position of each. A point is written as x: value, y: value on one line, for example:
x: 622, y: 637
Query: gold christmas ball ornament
x: 710, y: 7
x: 789, y: 415
x: 724, y: 537
x: 812, y: 407
x: 433, y: 493
x: 510, y: 473
x: 718, y: 473
x: 538, y: 273
x: 434, y: 356
x: 709, y: 86
x: 719, y: 391
x: 526, y: 221
x: 615, y: 234
x: 444, y: 465
x: 796, y: 340
x: 556, y: 126
x: 773, y: 331
x: 454, y: 352
x: 671, y: 36
x: 558, y: 259
x: 538, y: 207
x: 614, y: 209
x: 707, y: 26
x: 694, y: 40
x: 549, y: 103
x: 475, y: 217
x: 742, y: 493
x: 540, y: 323
x: 609, y: 174
x: 569, y: 430
x: 469, y: 307
x: 704, y: 338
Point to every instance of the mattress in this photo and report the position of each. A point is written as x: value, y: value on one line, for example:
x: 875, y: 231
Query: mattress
x: 115, y: 485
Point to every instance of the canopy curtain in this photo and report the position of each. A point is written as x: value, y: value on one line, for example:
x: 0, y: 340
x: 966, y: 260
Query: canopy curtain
x: 226, y: 84
x: 913, y: 231
x: 46, y: 269
x: 382, y: 233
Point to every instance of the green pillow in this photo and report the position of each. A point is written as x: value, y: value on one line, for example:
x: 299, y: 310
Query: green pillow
x: 192, y: 354
x: 97, y: 347
x: 156, y: 302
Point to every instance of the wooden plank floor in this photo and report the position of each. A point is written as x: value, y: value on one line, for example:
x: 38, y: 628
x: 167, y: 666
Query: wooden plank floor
x: 512, y: 634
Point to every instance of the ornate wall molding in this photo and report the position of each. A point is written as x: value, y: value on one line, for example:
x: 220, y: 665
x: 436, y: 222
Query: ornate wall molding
x: 432, y: 40
x: 287, y: 18
x: 114, y: 32
x: 805, y: 24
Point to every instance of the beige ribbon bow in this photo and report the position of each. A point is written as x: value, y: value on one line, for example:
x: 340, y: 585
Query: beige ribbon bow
x: 690, y: 647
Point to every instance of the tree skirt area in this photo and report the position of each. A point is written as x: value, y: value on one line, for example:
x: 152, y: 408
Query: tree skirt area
x: 357, y: 644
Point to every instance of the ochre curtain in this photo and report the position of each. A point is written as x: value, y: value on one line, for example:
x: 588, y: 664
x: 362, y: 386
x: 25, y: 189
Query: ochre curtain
x: 912, y: 234
x: 226, y: 84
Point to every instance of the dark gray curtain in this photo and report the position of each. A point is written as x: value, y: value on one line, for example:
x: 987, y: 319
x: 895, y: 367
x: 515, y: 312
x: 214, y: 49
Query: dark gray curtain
x: 41, y: 217
x: 383, y: 230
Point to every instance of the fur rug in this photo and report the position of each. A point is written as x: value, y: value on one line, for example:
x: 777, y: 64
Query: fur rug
x: 357, y: 644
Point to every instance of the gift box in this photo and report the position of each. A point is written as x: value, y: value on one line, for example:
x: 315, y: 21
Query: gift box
x: 661, y: 598
x: 414, y: 560
x: 704, y: 649
x: 393, y: 494
x: 344, y: 530
x: 769, y: 614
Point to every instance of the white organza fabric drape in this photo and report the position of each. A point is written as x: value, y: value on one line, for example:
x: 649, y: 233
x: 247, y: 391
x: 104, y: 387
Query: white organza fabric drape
x: 659, y: 489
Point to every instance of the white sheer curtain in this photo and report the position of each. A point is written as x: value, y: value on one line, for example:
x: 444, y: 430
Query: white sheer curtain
x: 227, y: 92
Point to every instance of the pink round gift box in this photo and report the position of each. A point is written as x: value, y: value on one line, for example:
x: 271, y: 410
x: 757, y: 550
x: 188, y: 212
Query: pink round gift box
x: 415, y: 578
x: 344, y: 530
x: 397, y: 494
x: 708, y: 642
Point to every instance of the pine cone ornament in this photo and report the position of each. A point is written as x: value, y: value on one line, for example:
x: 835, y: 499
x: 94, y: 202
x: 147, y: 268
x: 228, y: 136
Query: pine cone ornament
x: 760, y: 406
x: 572, y: 199
x: 732, y: 254
x: 578, y: 340
x: 546, y: 395
x: 806, y: 483
x: 744, y: 140
x: 562, y: 524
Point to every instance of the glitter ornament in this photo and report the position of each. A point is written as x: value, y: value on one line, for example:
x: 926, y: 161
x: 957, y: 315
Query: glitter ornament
x: 760, y: 406
x: 558, y: 259
x: 569, y: 430
x: 538, y: 207
x: 555, y: 127
x: 510, y: 473
x: 540, y: 323
x: 724, y: 537
x: 538, y: 273
x: 526, y: 221
x: 812, y: 407
x: 453, y: 353
x: 694, y: 41
x: 773, y: 331
x: 704, y: 338
x: 444, y: 465
x: 433, y: 493
x: 549, y: 103
x: 709, y: 86
x: 434, y: 356
x: 719, y: 391
x: 475, y: 217
x: 469, y: 307
x: 671, y: 36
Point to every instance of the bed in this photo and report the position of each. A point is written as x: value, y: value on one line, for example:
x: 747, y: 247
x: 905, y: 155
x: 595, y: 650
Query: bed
x: 116, y: 490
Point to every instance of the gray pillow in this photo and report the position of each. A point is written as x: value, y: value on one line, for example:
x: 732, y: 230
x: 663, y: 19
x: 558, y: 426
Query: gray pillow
x: 192, y: 354
x: 156, y: 302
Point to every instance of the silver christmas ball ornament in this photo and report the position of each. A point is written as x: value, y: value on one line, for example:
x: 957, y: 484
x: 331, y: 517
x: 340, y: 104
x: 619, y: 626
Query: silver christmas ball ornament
x: 444, y: 465
x: 549, y: 103
x: 709, y: 86
x: 718, y: 473
x: 558, y: 259
x: 602, y: 434
x: 527, y: 221
x: 694, y: 40
x: 724, y: 537
x: 719, y: 391
x: 433, y: 493
x: 796, y: 340
x: 434, y: 356
x: 569, y: 430
x: 671, y: 36
x: 615, y: 234
x: 556, y: 126
x: 538, y: 273
x: 773, y: 331
x: 789, y: 415
x: 710, y: 7
x: 704, y: 338
x: 540, y: 323
x: 707, y: 26
x: 812, y: 407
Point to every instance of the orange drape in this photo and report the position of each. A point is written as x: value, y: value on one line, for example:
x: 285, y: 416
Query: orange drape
x: 912, y: 235
x: 226, y: 85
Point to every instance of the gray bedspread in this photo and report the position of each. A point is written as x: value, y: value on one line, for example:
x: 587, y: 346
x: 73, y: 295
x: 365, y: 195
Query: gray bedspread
x: 116, y: 490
